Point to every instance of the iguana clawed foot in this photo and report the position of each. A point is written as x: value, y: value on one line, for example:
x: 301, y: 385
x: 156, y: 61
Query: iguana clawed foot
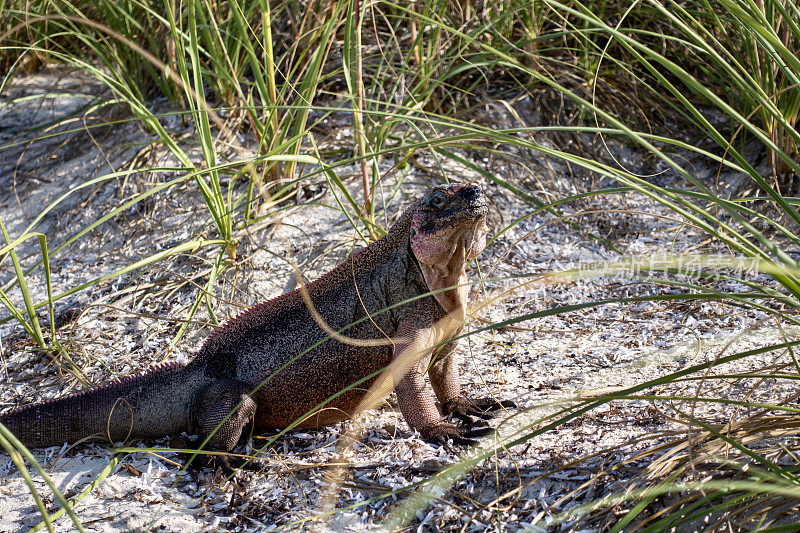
x: 220, y: 464
x: 223, y: 466
x: 445, y: 433
x: 467, y: 409
x: 472, y: 413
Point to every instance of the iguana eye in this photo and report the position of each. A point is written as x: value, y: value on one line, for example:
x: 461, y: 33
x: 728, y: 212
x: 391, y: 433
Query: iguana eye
x: 438, y: 199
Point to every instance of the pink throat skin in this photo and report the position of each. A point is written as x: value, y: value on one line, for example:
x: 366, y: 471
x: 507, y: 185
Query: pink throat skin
x: 443, y: 255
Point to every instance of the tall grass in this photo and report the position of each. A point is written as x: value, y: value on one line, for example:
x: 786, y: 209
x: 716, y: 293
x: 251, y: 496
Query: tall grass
x: 412, y: 76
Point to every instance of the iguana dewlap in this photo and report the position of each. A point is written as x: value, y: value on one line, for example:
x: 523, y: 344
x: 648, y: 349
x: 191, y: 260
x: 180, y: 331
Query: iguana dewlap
x: 245, y: 371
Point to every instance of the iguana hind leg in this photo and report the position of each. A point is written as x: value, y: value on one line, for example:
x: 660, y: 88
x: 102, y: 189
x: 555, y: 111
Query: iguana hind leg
x: 222, y: 410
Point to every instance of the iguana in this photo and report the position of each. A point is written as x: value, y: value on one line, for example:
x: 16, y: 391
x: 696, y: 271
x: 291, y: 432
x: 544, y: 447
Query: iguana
x: 396, y: 288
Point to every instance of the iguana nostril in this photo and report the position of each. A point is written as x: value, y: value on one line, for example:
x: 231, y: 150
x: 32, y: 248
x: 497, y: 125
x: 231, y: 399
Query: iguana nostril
x: 473, y: 195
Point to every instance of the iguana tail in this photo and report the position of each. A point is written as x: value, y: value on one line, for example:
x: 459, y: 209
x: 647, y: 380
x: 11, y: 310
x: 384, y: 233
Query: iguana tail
x: 155, y: 403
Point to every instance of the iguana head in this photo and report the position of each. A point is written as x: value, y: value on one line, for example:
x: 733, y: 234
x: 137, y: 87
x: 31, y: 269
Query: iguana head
x: 448, y: 228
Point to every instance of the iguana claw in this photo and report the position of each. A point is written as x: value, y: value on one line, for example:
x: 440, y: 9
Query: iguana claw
x: 465, y: 408
x: 223, y: 467
x: 218, y: 463
x: 446, y: 433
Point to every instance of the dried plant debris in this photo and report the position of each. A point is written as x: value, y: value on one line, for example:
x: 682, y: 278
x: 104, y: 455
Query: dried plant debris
x: 544, y: 364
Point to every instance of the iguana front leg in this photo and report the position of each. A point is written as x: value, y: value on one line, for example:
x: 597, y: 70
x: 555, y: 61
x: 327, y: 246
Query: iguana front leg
x: 419, y: 410
x: 446, y: 381
x: 416, y: 402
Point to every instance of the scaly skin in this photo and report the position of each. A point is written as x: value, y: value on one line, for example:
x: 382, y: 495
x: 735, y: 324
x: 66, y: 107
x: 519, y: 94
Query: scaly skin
x: 274, y: 363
